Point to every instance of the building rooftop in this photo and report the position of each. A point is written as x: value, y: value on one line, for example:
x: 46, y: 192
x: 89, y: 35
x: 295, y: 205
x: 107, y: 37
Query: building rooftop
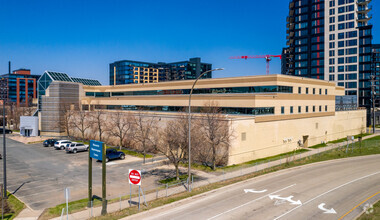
x: 57, y: 76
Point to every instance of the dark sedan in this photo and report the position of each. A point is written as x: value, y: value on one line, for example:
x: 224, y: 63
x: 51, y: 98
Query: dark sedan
x: 7, y: 131
x: 49, y: 142
x: 112, y: 154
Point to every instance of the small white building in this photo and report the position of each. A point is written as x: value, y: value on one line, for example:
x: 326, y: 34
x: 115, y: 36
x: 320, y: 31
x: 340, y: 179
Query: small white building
x: 29, y: 126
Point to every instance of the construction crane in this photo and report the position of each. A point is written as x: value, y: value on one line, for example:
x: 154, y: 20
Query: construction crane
x: 267, y: 58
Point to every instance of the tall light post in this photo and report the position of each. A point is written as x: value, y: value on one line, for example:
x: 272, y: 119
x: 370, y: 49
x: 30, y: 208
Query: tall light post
x: 373, y: 80
x: 191, y: 92
x: 3, y: 93
x: 373, y: 95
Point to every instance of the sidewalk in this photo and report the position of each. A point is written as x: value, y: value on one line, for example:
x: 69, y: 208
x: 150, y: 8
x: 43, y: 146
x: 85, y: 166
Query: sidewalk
x: 96, y: 211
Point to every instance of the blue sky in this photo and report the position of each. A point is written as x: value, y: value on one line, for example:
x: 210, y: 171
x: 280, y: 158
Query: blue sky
x: 82, y: 37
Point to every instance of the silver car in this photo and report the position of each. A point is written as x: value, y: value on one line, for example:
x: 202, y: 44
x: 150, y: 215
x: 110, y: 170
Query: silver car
x: 75, y: 147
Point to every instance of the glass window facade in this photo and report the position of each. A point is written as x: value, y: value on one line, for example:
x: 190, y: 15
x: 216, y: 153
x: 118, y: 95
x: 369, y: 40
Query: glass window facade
x: 249, y: 89
x: 225, y: 110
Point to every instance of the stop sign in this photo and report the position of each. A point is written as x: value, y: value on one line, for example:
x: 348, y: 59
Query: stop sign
x: 135, y: 177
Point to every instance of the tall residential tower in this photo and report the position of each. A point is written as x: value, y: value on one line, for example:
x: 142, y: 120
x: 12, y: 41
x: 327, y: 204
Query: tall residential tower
x: 331, y: 40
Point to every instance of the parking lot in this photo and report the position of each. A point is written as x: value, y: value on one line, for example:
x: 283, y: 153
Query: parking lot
x: 38, y: 175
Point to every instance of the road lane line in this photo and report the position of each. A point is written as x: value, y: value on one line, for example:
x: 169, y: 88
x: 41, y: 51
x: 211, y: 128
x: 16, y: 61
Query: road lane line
x: 352, y: 181
x: 358, y: 205
x: 216, y: 216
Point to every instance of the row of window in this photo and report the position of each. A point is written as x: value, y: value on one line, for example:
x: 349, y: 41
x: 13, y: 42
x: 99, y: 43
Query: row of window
x: 342, y: 26
x: 342, y: 9
x: 248, y: 89
x: 348, y: 85
x: 291, y: 109
x: 341, y: 69
x: 349, y: 43
x: 350, y: 34
x: 341, y: 60
x: 340, y: 2
x: 314, y: 91
x: 341, y: 77
x: 342, y: 52
x: 342, y: 18
x: 225, y: 110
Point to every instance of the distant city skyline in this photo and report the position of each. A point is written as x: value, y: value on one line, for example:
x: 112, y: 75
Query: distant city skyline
x: 82, y: 39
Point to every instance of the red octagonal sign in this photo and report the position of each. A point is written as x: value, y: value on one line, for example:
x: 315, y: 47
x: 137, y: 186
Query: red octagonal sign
x: 135, y: 177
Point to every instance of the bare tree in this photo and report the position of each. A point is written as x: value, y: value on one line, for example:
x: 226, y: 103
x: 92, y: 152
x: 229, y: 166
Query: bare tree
x: 81, y: 122
x: 121, y: 126
x: 173, y: 141
x: 67, y: 120
x: 29, y: 110
x: 217, y: 132
x: 144, y: 133
x: 99, y: 123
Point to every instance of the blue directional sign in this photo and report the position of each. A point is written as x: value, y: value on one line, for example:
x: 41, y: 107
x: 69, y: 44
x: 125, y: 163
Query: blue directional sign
x: 96, y: 149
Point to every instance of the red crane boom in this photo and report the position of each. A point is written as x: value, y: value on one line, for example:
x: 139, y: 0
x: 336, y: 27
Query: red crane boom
x: 267, y: 58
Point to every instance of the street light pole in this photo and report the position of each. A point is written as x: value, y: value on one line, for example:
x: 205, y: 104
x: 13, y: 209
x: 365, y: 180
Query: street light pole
x: 3, y: 97
x: 373, y: 80
x: 189, y: 117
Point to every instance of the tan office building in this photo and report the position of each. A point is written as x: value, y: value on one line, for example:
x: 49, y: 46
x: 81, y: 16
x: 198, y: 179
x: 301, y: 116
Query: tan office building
x: 269, y: 114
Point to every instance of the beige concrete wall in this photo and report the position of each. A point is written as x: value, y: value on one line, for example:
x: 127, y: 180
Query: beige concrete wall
x: 275, y: 137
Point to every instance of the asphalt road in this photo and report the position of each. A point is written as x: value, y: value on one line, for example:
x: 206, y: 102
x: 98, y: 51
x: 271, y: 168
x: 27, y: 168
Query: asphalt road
x: 306, y: 192
x: 38, y: 175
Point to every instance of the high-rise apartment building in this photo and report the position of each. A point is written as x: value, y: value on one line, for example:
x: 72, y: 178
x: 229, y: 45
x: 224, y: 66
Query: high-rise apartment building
x: 331, y: 40
x: 135, y: 72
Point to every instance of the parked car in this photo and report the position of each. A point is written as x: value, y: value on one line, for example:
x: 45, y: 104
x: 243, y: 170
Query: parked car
x: 112, y: 154
x: 61, y: 144
x: 49, y: 142
x: 75, y: 147
x: 7, y: 131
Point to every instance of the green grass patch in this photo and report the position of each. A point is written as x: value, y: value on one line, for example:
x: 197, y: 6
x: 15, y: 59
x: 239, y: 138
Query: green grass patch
x: 372, y: 214
x: 361, y: 135
x: 246, y: 164
x: 132, y: 153
x: 318, y: 146
x: 337, y: 141
x: 173, y: 180
x: 345, y: 139
x: 12, y: 207
x: 35, y: 142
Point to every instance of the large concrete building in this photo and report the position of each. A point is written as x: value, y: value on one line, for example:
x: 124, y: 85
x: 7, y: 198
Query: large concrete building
x: 269, y: 114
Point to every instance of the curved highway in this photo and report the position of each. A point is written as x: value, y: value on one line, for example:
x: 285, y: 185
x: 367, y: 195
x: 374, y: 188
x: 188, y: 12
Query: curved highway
x: 338, y: 189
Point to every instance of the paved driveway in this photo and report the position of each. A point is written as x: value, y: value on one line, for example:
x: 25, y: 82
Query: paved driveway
x: 38, y: 175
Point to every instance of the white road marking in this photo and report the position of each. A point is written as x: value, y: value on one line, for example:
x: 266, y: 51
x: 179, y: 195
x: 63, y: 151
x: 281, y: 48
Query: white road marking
x: 289, y: 199
x: 254, y: 191
x: 262, y: 197
x: 326, y: 211
x: 352, y: 181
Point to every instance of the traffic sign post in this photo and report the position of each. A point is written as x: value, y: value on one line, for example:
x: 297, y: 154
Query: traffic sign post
x: 98, y: 152
x: 104, y: 200
x: 134, y: 178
